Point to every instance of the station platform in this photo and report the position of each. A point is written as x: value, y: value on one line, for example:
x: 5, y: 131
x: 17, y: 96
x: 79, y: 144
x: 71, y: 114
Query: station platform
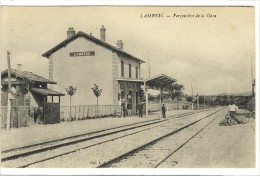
x: 38, y: 133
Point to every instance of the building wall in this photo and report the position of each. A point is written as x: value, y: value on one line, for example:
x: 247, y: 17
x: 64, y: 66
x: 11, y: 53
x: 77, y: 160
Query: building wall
x: 126, y: 87
x: 83, y: 72
x: 115, y: 73
x: 133, y: 63
x: 18, y: 99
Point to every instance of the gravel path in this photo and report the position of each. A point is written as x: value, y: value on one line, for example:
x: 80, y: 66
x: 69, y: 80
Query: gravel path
x: 218, y: 147
x: 151, y: 156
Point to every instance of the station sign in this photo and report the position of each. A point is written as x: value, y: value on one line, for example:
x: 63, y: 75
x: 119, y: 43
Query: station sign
x: 85, y: 53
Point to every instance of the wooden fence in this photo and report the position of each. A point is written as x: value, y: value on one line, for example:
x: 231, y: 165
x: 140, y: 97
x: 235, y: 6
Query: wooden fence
x: 174, y: 106
x: 20, y: 117
x: 88, y: 112
x: 100, y: 111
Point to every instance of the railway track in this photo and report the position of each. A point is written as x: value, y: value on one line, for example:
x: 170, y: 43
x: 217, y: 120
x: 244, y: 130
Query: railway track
x: 156, y: 152
x: 92, y: 140
x: 44, y: 146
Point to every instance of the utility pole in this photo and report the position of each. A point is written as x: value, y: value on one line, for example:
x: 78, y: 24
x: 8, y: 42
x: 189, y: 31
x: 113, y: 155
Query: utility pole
x: 9, y: 93
x: 149, y: 65
x: 191, y: 97
x: 146, y: 99
x: 198, y: 101
x: 204, y: 100
x: 252, y: 79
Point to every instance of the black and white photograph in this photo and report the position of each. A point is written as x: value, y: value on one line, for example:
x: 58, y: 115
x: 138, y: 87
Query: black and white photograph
x: 165, y: 87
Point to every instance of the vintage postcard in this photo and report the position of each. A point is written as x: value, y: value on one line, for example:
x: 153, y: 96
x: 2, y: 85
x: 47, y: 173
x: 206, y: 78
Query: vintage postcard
x: 130, y: 87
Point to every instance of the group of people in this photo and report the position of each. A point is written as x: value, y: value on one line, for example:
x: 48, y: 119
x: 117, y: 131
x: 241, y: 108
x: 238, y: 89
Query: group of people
x: 231, y: 118
x: 127, y: 109
x: 233, y: 109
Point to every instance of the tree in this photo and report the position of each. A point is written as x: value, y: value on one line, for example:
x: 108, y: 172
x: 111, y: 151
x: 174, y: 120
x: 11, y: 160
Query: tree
x: 71, y: 91
x: 188, y: 98
x: 25, y: 86
x: 97, y: 91
x: 175, y: 90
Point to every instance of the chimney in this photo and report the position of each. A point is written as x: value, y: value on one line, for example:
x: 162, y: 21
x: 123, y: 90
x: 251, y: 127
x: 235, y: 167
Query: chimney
x: 70, y: 32
x: 19, y: 67
x: 119, y: 44
x: 103, y: 33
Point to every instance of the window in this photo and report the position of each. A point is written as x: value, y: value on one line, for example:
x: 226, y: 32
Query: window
x: 136, y: 72
x: 122, y: 69
x: 130, y: 71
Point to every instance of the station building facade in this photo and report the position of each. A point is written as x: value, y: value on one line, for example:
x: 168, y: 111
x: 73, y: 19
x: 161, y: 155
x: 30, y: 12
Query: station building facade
x: 83, y: 60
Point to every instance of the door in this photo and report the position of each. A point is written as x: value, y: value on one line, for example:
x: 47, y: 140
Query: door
x: 38, y: 115
x: 136, y: 101
x: 52, y: 113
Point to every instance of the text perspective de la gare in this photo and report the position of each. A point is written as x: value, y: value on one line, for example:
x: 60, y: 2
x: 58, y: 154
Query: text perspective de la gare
x: 162, y: 15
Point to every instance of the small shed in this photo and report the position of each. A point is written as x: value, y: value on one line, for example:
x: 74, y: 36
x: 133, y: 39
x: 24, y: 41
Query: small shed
x: 50, y: 109
x: 27, y: 88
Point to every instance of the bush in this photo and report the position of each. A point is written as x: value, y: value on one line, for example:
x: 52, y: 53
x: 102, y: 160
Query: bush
x: 251, y: 104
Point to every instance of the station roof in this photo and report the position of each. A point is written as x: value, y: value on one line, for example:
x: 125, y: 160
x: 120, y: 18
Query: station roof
x: 159, y: 81
x: 130, y: 80
x: 46, y: 92
x: 154, y: 82
x: 91, y: 38
x: 26, y: 74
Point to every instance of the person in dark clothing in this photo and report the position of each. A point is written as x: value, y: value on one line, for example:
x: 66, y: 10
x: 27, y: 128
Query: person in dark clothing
x: 140, y: 109
x: 163, y: 111
x: 123, y: 105
x: 129, y: 109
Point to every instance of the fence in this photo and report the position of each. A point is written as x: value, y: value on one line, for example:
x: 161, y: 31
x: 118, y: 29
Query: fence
x: 100, y: 111
x: 88, y: 112
x: 175, y: 106
x: 20, y: 117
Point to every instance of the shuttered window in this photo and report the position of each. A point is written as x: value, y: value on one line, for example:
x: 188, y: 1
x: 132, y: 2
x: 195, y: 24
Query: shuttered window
x: 122, y: 69
x: 130, y: 71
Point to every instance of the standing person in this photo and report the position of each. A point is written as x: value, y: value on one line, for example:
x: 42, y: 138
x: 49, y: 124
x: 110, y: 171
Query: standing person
x: 129, y: 109
x: 164, y: 111
x: 123, y: 108
x: 140, y: 109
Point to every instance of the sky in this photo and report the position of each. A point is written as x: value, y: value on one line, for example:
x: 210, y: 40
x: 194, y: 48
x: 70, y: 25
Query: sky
x: 213, y: 53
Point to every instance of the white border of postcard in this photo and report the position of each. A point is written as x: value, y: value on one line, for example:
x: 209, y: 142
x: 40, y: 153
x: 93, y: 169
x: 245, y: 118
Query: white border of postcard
x: 50, y: 171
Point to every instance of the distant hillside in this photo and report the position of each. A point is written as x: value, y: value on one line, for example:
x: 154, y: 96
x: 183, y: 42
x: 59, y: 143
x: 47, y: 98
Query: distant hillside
x: 232, y: 94
x: 237, y: 94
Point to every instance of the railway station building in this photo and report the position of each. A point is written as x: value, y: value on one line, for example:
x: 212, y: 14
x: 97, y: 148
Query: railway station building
x: 82, y: 60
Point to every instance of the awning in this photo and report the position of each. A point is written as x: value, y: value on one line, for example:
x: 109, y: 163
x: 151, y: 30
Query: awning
x: 131, y: 80
x: 156, y: 81
x: 159, y: 81
x: 46, y: 92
